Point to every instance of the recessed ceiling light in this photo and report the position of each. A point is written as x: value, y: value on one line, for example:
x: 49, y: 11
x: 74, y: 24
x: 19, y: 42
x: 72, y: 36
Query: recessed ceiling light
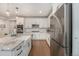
x: 16, y: 17
x: 8, y: 13
x: 17, y: 10
x: 40, y: 11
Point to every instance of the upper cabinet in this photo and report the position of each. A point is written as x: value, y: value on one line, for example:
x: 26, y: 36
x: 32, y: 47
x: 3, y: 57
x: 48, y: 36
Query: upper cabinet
x: 20, y: 21
x: 36, y: 23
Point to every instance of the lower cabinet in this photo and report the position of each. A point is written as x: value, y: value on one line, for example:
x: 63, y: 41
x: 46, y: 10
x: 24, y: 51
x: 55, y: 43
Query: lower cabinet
x: 37, y: 36
x: 42, y: 36
x: 6, y: 53
x: 27, y: 47
x: 18, y: 51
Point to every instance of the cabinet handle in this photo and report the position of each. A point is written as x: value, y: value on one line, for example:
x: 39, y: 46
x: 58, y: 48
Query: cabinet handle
x: 19, y: 48
x: 19, y: 53
x: 28, y: 44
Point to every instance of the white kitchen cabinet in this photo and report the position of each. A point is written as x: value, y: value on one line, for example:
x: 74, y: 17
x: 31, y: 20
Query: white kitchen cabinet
x: 30, y: 30
x: 20, y: 21
x: 18, y: 51
x: 35, y: 36
x: 40, y: 36
x: 45, y: 36
x: 42, y: 22
x: 27, y: 46
x: 6, y: 53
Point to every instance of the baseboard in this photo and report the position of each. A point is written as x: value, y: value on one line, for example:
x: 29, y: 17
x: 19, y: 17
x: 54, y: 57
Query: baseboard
x: 38, y: 39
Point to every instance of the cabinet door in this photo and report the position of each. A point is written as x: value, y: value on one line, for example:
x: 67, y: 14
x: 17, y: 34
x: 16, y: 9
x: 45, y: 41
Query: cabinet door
x: 25, y: 48
x: 36, y: 36
x: 29, y: 45
x: 43, y: 36
x: 20, y: 21
x: 18, y: 50
x: 6, y: 53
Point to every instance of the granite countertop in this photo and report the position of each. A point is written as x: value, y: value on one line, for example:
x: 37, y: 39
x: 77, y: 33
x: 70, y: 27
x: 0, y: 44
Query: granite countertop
x: 9, y: 43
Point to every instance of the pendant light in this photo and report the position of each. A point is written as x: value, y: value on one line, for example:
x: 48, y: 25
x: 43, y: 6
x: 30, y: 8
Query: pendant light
x: 7, y: 11
x: 17, y: 13
x: 17, y: 10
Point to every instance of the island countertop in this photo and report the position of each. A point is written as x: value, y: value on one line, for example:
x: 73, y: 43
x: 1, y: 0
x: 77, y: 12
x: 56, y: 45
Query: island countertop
x: 9, y: 43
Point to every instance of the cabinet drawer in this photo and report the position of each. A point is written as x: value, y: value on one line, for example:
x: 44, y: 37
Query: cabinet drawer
x: 19, y: 53
x: 18, y: 50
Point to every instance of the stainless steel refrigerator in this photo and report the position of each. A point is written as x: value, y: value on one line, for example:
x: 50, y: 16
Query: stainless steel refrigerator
x: 61, y: 31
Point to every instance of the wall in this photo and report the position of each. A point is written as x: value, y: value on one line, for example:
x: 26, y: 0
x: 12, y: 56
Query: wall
x: 6, y: 29
x: 75, y: 29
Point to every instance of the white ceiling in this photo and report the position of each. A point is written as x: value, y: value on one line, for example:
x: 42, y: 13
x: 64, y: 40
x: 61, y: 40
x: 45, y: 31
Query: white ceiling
x: 25, y: 9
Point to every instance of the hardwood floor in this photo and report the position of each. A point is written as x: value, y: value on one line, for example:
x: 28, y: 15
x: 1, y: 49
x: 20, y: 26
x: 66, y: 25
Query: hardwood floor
x: 40, y: 48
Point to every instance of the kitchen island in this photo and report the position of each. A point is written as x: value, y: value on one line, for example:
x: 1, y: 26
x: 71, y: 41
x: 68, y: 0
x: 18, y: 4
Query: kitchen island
x: 15, y: 46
